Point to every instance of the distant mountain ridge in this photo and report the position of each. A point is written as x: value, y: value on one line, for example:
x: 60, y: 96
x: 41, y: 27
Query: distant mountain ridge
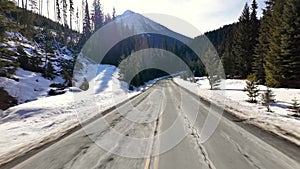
x: 141, y: 23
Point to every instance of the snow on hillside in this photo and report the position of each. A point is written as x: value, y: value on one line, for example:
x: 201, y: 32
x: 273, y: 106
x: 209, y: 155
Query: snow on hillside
x: 29, y: 86
x: 141, y: 23
x: 26, y: 85
x: 25, y: 126
x: 279, y: 121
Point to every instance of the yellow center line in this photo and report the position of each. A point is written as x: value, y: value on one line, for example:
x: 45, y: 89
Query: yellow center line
x: 156, y: 159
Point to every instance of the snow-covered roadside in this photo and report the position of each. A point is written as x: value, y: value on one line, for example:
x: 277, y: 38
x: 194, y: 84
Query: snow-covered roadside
x: 279, y: 121
x: 28, y: 86
x: 31, y: 124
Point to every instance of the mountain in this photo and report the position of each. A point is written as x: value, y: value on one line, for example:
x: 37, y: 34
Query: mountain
x: 131, y: 33
x: 146, y: 34
x: 141, y: 23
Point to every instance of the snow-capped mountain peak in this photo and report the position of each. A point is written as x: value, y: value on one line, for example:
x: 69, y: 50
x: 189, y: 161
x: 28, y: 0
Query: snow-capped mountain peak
x: 141, y: 23
x: 128, y: 12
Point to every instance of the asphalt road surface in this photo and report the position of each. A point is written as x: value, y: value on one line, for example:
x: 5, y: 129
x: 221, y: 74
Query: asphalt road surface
x: 172, y: 119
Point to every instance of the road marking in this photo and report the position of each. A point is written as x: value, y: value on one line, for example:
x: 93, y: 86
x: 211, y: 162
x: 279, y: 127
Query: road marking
x: 157, y: 128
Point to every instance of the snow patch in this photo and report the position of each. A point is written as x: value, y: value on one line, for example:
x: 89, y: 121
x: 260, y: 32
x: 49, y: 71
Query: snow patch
x: 29, y: 123
x: 279, y: 121
x: 30, y: 85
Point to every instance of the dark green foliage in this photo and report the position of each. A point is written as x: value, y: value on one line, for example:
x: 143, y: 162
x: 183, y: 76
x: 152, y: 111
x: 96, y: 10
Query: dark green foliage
x: 87, y: 29
x: 6, y: 7
x: 227, y: 58
x: 85, y: 85
x: 58, y: 13
x: 261, y: 49
x: 295, y: 106
x: 71, y: 12
x: 67, y: 72
x: 268, y: 98
x: 252, y: 88
x: 282, y: 59
x: 290, y: 44
x: 6, y: 101
x: 7, y: 67
x: 97, y: 16
x: 49, y: 71
x: 114, y: 13
x: 23, y: 58
x: 217, y: 37
x: 64, y: 10
x: 242, y: 46
x: 274, y: 70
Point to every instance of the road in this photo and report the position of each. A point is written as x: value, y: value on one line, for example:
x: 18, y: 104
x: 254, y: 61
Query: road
x: 165, y: 114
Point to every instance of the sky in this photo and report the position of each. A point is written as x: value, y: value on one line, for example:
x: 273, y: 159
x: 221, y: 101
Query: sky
x: 205, y: 15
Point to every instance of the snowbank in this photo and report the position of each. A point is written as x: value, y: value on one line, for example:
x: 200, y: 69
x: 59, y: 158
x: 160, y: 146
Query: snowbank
x: 279, y: 121
x: 29, y: 86
x: 25, y: 126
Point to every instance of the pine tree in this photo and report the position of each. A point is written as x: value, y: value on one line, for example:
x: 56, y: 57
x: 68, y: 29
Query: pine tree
x: 65, y: 6
x: 242, y: 45
x: 6, y: 7
x: 268, y: 98
x: 254, y: 25
x: 261, y: 50
x: 33, y: 5
x: 98, y: 17
x: 77, y: 20
x: 58, y: 14
x: 107, y: 19
x: 71, y: 10
x: 114, y: 13
x: 295, y: 106
x: 263, y: 44
x: 87, y: 22
x: 252, y: 88
x: 274, y: 71
x: 227, y: 56
x: 290, y: 44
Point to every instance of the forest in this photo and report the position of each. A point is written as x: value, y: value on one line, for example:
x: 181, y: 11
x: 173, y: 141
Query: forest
x: 266, y: 47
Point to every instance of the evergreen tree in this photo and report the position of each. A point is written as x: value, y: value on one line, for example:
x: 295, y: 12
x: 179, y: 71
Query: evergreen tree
x: 71, y: 10
x: 98, y: 17
x: 268, y: 98
x: 295, y: 106
x: 58, y: 14
x: 263, y: 45
x: 273, y: 68
x: 290, y: 44
x: 227, y: 56
x: 107, y: 19
x: 252, y: 88
x: 33, y: 5
x: 87, y: 22
x: 114, y: 13
x: 254, y: 25
x: 77, y: 20
x: 65, y: 6
x: 242, y: 46
x: 6, y: 7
